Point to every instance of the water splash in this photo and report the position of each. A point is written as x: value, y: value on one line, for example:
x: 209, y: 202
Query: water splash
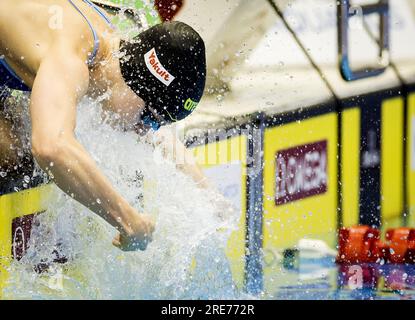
x: 185, y: 260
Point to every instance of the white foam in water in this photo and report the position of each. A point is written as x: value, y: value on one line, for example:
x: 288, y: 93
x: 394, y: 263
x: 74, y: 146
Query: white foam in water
x: 187, y: 227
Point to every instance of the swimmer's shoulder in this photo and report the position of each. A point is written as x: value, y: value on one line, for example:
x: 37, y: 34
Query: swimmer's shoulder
x: 106, y: 72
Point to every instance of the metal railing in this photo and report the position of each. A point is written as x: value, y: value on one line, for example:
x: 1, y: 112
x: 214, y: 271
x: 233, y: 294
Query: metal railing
x: 344, y: 12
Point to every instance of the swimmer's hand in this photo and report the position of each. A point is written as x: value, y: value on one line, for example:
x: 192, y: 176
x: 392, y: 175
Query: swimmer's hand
x: 138, y: 237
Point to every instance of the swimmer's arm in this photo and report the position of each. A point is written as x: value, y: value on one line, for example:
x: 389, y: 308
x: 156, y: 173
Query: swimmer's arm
x: 190, y: 167
x: 186, y: 162
x: 182, y: 157
x: 58, y: 87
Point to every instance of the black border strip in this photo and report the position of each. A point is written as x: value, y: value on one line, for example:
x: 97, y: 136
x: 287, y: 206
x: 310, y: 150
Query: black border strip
x: 254, y: 280
x: 203, y: 138
x: 408, y: 89
x: 300, y: 114
x: 362, y: 100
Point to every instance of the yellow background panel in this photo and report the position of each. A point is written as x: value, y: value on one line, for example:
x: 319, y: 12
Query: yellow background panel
x: 392, y: 161
x: 225, y: 152
x: 314, y: 217
x: 350, y: 166
x: 12, y: 206
x: 411, y: 159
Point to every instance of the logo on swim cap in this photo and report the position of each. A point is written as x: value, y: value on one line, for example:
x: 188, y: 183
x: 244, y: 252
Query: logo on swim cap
x: 156, y: 68
x: 190, y: 105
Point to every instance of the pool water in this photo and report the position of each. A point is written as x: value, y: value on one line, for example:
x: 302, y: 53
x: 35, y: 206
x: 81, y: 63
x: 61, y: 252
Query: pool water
x: 186, y: 259
x: 323, y: 279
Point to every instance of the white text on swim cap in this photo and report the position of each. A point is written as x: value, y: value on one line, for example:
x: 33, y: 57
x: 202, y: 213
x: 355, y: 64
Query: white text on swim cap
x: 156, y: 68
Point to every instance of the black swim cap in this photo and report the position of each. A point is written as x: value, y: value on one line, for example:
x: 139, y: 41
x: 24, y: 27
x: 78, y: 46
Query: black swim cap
x: 166, y: 66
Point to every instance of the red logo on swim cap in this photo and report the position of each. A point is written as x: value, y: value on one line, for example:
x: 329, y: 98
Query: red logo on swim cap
x: 156, y: 68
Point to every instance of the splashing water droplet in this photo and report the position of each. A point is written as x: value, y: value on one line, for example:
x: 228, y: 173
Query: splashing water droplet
x: 185, y: 260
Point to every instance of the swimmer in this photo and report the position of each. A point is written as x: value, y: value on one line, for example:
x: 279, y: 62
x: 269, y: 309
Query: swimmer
x: 155, y: 79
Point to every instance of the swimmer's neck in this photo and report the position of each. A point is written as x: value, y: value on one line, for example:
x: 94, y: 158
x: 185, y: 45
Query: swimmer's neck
x: 106, y: 70
x: 107, y: 84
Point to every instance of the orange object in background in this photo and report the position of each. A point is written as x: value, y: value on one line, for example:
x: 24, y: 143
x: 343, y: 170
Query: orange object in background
x: 362, y: 244
x: 380, y: 250
x: 401, y: 243
x: 168, y: 9
x: 359, y: 244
